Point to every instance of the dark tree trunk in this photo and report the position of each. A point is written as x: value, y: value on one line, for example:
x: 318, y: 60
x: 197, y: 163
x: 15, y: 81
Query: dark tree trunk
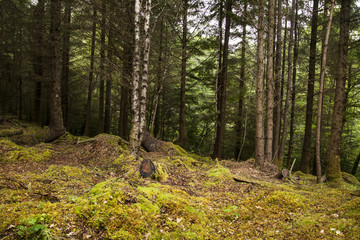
x: 38, y: 58
x: 289, y: 84
x: 277, y: 109
x: 222, y: 86
x: 66, y: 63
x: 182, y: 132
x: 102, y: 67
x: 239, y: 122
x: 293, y: 91
x: 91, y: 76
x: 270, y: 84
x: 306, y: 149
x: 356, y: 164
x: 333, y: 170
x: 107, y: 119
x: 259, y: 131
x: 56, y: 124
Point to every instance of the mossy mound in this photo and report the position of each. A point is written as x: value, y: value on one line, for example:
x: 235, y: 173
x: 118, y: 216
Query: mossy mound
x: 11, y: 152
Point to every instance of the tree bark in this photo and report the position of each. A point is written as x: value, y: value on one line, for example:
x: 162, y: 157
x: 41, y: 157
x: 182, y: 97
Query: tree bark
x: 270, y: 84
x: 38, y: 58
x: 306, y: 149
x: 259, y: 132
x: 293, y: 91
x: 277, y: 109
x: 66, y: 63
x: 239, y: 123
x: 182, y: 132
x: 102, y: 67
x: 333, y: 170
x: 356, y: 164
x: 91, y: 75
x: 56, y: 125
x: 135, y: 126
x: 320, y: 97
x: 289, y: 84
x: 222, y: 86
x: 107, y: 118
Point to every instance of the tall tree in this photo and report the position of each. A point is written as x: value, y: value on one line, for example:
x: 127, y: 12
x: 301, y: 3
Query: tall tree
x: 320, y: 95
x: 289, y: 82
x: 221, y: 89
x: 277, y: 109
x: 107, y: 117
x: 139, y: 85
x: 56, y: 125
x: 293, y: 90
x: 333, y: 170
x: 184, y: 40
x: 38, y: 57
x: 239, y: 123
x: 102, y: 66
x: 306, y: 148
x: 91, y: 75
x: 270, y: 83
x: 259, y: 131
x: 66, y: 62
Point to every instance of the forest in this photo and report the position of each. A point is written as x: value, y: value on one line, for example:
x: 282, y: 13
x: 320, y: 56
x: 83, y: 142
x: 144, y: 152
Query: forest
x: 229, y: 103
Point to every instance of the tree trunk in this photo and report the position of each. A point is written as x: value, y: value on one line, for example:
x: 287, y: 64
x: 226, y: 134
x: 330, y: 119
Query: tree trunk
x: 356, y: 164
x: 222, y: 86
x: 91, y: 75
x: 259, y: 132
x: 107, y: 118
x: 145, y: 74
x: 293, y: 91
x: 239, y: 122
x: 270, y: 84
x: 306, y: 149
x: 66, y: 63
x: 38, y: 57
x: 320, y: 97
x: 56, y: 120
x: 182, y: 132
x: 102, y: 67
x: 333, y: 170
x: 135, y: 142
x: 288, y: 87
x: 277, y: 110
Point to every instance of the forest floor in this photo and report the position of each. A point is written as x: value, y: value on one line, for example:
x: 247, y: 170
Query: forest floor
x: 90, y: 188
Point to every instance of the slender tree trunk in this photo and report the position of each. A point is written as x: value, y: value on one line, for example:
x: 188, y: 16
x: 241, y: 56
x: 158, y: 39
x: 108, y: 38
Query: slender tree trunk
x: 239, y: 122
x: 270, y: 84
x: 102, y: 67
x: 277, y: 110
x: 66, y: 63
x: 289, y: 82
x: 333, y: 170
x: 182, y: 132
x: 293, y: 91
x: 222, y: 86
x: 306, y: 149
x: 56, y: 124
x: 38, y: 58
x: 145, y: 74
x: 91, y: 76
x: 107, y: 118
x: 356, y: 164
x: 135, y: 128
x: 259, y: 132
x: 320, y: 97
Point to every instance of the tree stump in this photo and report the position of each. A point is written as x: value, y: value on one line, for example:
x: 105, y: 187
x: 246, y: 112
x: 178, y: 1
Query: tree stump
x: 147, y: 168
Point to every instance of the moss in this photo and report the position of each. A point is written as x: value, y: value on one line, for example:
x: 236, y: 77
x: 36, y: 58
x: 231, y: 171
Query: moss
x: 160, y: 173
x: 220, y: 173
x: 13, y: 152
x: 351, y: 179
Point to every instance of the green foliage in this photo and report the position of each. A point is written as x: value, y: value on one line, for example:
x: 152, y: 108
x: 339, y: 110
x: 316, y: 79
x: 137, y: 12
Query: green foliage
x: 34, y: 228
